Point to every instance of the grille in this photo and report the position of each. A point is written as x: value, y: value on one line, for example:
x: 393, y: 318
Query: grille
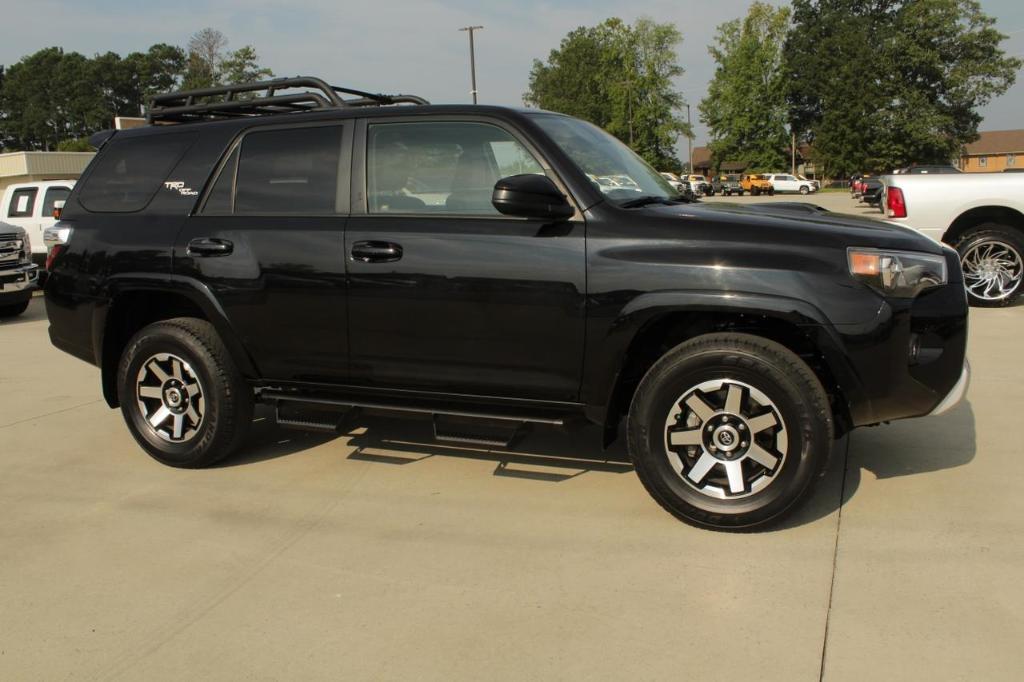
x: 5, y: 236
x: 10, y: 249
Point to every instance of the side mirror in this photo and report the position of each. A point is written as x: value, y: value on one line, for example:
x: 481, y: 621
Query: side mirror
x: 531, y: 196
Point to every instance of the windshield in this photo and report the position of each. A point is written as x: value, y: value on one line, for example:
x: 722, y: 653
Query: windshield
x: 614, y: 168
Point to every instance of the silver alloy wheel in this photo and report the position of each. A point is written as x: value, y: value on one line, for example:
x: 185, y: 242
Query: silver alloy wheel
x: 725, y: 439
x: 170, y: 397
x: 992, y: 270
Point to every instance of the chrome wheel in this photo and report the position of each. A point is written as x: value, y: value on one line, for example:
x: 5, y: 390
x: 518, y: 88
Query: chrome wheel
x: 725, y: 439
x: 992, y: 270
x: 170, y: 397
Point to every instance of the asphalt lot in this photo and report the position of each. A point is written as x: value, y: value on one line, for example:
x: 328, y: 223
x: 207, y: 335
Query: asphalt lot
x: 382, y: 555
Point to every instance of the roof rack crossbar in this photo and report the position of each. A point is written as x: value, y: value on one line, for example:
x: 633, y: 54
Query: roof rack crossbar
x: 228, y: 101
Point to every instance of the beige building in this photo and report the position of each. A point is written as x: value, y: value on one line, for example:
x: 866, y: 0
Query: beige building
x: 994, y: 152
x: 18, y: 167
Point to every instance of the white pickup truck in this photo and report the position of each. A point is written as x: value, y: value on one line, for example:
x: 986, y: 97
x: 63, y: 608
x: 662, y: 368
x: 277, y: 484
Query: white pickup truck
x: 981, y: 215
x: 30, y: 206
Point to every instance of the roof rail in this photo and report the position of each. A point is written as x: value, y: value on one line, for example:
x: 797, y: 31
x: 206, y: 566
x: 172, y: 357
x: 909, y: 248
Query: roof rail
x: 261, y: 99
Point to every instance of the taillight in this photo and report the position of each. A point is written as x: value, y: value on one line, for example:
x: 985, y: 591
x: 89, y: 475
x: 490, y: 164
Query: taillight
x: 895, y: 203
x: 56, y: 239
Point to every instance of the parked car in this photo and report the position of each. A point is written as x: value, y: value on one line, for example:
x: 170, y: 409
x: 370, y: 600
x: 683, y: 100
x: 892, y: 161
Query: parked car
x: 727, y: 185
x: 673, y: 180
x: 980, y: 214
x: 784, y: 183
x: 757, y: 184
x: 687, y: 191
x: 816, y: 183
x: 871, y: 193
x: 31, y: 205
x: 18, y: 274
x: 700, y: 185
x: 459, y: 262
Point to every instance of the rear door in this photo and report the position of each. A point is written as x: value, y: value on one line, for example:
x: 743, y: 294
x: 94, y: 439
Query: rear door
x: 446, y: 294
x: 268, y: 242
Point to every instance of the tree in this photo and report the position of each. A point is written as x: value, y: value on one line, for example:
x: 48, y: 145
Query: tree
x: 208, y: 64
x: 878, y: 84
x: 745, y: 108
x: 618, y: 77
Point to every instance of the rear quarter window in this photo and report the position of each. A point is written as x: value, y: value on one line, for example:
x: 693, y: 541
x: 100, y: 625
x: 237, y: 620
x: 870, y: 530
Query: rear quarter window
x: 129, y: 172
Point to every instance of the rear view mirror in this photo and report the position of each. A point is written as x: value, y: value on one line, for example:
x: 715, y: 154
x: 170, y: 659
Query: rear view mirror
x: 531, y: 196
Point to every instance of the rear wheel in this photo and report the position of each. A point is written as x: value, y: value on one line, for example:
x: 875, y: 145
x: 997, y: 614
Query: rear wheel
x: 730, y: 431
x: 13, y: 310
x: 992, y: 257
x: 181, y: 395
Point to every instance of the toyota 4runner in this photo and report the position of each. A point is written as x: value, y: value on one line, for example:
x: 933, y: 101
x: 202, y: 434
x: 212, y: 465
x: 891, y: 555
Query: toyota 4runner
x: 324, y: 250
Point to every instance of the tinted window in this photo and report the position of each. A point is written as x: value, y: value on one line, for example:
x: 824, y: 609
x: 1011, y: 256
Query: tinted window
x: 52, y: 196
x: 223, y: 190
x: 22, y: 201
x: 441, y: 167
x: 288, y: 171
x: 130, y: 171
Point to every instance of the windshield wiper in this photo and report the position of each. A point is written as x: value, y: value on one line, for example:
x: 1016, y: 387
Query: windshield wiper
x: 649, y: 199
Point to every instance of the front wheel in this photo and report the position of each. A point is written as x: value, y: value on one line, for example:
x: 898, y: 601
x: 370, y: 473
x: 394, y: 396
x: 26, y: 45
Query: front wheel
x: 730, y: 431
x: 991, y: 256
x: 181, y: 395
x: 804, y: 189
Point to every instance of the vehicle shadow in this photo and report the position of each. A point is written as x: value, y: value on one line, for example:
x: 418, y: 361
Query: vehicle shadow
x: 903, y: 448
x: 547, y: 455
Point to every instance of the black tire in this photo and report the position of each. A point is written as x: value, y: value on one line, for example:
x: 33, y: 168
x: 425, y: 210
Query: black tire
x: 14, y: 309
x: 771, y: 192
x: 223, y: 403
x: 801, y: 436
x: 995, y: 238
x: 755, y: 192
x: 805, y: 190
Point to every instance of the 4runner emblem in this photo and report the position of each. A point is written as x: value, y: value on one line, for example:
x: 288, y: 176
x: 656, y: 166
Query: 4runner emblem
x: 179, y: 187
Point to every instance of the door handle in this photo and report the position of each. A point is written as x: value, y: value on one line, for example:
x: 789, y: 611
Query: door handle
x: 209, y: 246
x: 376, y: 252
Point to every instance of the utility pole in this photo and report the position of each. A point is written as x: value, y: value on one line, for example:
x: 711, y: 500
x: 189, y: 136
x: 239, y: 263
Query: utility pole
x: 689, y: 141
x: 472, y: 57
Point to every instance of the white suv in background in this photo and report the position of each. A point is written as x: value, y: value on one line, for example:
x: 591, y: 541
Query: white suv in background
x: 791, y: 183
x: 30, y: 206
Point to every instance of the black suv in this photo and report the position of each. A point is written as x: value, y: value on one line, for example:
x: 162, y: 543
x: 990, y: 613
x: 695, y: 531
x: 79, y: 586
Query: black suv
x: 325, y: 250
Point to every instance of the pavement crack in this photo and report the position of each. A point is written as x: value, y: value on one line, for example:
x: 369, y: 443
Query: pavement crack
x: 50, y: 414
x: 835, y: 560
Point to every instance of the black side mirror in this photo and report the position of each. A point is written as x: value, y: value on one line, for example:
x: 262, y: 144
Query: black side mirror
x: 531, y: 196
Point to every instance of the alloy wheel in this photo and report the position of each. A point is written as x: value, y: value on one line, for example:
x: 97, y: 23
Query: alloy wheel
x: 170, y: 397
x: 992, y: 270
x: 725, y: 439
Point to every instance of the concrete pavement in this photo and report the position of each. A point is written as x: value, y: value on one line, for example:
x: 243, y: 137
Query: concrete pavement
x: 383, y: 555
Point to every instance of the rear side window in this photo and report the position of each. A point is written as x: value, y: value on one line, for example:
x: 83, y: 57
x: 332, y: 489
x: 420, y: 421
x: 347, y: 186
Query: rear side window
x: 130, y: 172
x: 285, y: 171
x: 52, y: 196
x: 22, y: 201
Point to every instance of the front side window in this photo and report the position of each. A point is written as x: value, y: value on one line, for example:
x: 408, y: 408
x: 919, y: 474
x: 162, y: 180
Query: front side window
x: 614, y: 168
x: 284, y: 171
x: 22, y: 202
x: 440, y: 167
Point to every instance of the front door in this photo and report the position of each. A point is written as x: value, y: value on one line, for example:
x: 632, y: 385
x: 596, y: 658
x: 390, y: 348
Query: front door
x: 268, y: 242
x: 445, y: 293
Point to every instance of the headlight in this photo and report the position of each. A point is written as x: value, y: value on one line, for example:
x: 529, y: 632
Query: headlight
x: 26, y: 245
x: 899, y: 274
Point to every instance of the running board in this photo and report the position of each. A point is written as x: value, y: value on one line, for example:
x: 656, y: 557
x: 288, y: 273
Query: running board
x: 475, y: 431
x: 516, y: 416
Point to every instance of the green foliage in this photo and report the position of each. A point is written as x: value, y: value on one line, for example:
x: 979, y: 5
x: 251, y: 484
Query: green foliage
x: 80, y: 144
x: 745, y: 108
x: 619, y: 77
x: 53, y: 99
x: 208, y: 64
x: 878, y: 84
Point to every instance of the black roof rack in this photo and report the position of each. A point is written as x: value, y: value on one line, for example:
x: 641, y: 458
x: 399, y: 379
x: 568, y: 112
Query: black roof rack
x: 265, y: 97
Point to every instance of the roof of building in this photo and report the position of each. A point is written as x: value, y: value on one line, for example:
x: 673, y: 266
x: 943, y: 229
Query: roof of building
x: 997, y: 142
x: 14, y: 164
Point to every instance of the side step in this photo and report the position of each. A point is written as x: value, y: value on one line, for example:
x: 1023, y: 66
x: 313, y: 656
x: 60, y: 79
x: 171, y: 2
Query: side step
x: 313, y: 418
x: 476, y: 431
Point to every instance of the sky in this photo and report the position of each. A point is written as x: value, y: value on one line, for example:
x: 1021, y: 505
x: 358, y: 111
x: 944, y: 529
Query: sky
x: 411, y: 46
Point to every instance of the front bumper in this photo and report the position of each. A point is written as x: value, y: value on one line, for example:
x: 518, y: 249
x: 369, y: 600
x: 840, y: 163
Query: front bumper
x: 956, y: 394
x: 20, y: 279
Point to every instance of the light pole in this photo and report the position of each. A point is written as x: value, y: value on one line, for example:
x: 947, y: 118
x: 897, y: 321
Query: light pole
x: 689, y: 141
x: 472, y: 57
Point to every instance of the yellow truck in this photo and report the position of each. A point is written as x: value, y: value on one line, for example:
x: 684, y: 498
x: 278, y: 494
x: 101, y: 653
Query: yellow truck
x: 757, y: 184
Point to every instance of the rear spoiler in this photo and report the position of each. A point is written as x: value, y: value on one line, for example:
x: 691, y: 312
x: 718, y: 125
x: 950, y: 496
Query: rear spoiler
x: 99, y: 139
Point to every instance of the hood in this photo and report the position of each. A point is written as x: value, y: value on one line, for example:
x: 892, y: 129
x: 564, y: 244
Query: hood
x: 7, y: 228
x: 794, y: 219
